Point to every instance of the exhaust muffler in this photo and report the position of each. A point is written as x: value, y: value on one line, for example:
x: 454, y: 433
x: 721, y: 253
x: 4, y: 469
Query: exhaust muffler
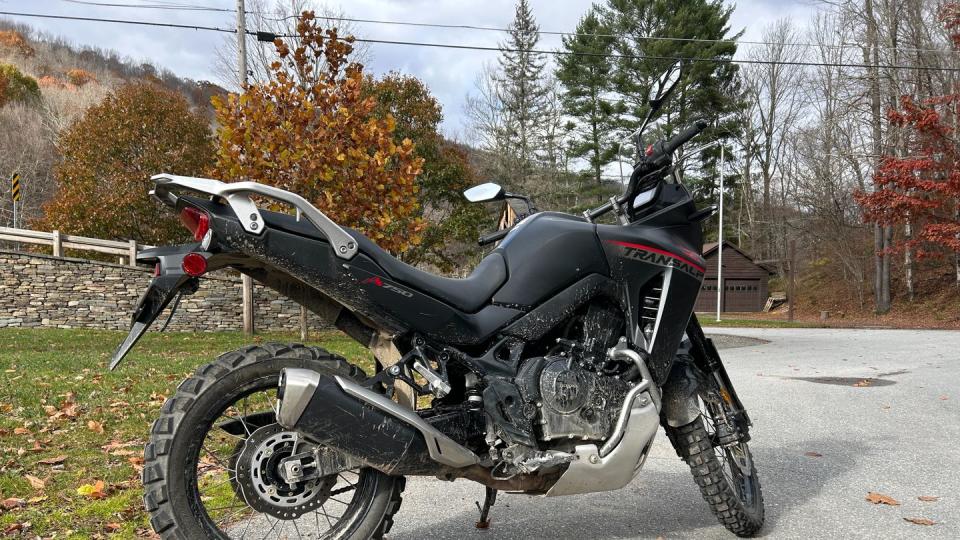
x: 367, y: 426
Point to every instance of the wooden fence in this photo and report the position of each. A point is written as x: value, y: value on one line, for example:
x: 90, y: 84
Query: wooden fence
x: 59, y: 241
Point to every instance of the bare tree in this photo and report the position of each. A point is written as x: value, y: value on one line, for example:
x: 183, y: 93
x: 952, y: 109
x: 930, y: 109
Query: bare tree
x: 774, y: 90
x: 278, y: 17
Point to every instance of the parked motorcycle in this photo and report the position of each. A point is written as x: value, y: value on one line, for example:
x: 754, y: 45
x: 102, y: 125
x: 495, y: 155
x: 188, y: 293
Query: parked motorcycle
x: 546, y: 371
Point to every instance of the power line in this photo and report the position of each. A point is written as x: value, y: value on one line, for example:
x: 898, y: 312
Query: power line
x: 171, y: 6
x: 503, y: 49
x: 193, y: 7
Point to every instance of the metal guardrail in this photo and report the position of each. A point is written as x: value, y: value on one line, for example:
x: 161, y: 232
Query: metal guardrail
x: 59, y: 241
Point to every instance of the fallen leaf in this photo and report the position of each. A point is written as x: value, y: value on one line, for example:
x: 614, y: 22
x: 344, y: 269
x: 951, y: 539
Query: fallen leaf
x: 94, y: 491
x: 96, y: 427
x: 137, y: 463
x: 123, y: 453
x: 21, y: 431
x: 53, y: 460
x: 920, y: 521
x: 111, y: 527
x: 928, y: 498
x: 862, y: 383
x: 12, y: 502
x: 813, y: 454
x: 37, y: 483
x: 12, y: 528
x: 880, y: 498
x: 35, y: 500
x: 944, y: 398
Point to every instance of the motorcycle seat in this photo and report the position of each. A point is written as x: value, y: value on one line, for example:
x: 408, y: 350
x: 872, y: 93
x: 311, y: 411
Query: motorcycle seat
x: 467, y: 294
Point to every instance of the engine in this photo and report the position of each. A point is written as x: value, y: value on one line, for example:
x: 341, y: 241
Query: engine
x: 572, y: 402
x: 572, y: 393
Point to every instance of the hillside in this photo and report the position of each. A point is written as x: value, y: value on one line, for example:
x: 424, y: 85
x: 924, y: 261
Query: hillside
x: 56, y: 81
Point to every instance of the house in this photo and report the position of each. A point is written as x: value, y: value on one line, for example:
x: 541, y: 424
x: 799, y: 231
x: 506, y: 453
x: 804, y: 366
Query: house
x: 744, y: 281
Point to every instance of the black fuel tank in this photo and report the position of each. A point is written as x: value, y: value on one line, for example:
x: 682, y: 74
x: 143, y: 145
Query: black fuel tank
x: 546, y: 253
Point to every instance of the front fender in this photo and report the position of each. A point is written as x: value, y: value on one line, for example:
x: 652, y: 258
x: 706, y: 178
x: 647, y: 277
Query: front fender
x: 679, y: 394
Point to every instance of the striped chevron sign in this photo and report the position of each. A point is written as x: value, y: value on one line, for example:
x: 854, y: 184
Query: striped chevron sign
x: 15, y: 187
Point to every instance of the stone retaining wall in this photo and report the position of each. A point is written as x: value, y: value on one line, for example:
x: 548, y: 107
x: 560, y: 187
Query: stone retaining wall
x: 57, y: 292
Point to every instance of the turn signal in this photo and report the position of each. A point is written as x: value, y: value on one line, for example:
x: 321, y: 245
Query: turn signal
x: 198, y: 222
x: 194, y: 264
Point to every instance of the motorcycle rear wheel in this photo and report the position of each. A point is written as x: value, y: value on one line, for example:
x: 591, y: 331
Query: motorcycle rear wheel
x: 187, y: 477
x: 725, y: 473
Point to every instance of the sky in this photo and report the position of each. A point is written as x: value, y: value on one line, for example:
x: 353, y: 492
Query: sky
x: 449, y: 73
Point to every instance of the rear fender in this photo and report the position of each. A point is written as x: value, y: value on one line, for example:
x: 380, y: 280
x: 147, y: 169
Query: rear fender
x: 169, y: 281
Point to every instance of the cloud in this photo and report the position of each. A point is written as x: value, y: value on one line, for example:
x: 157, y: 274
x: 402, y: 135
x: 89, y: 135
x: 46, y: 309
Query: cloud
x: 449, y: 73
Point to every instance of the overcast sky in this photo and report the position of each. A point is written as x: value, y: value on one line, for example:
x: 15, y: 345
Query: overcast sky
x: 450, y: 73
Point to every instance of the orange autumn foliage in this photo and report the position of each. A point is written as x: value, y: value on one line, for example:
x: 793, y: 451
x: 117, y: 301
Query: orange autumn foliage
x: 313, y: 130
x: 12, y: 39
x: 108, y: 156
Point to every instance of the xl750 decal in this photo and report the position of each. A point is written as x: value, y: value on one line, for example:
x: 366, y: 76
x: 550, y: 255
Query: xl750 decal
x: 659, y: 257
x: 375, y: 280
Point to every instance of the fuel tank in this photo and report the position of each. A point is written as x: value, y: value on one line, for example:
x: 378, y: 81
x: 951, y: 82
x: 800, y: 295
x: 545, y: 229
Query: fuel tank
x: 546, y: 253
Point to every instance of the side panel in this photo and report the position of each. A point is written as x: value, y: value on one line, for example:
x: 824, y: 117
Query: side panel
x: 661, y: 270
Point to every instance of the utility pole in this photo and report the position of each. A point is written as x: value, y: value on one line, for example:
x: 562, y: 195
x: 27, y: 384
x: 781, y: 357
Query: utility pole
x: 720, y: 287
x: 242, y: 42
x: 246, y: 281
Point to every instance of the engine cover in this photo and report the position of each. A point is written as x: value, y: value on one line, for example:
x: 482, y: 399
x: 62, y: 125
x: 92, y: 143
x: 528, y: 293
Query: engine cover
x: 574, y: 403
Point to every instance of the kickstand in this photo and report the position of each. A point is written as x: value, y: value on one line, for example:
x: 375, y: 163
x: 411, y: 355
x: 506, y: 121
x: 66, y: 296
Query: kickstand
x: 489, y: 500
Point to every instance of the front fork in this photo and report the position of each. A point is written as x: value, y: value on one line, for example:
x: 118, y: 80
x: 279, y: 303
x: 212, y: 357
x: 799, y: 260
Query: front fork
x: 680, y: 391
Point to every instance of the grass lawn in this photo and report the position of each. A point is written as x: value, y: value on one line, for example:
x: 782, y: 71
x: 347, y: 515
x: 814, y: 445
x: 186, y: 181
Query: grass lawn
x: 67, y: 424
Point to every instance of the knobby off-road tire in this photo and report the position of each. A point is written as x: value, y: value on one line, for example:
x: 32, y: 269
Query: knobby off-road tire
x: 170, y: 456
x: 693, y: 444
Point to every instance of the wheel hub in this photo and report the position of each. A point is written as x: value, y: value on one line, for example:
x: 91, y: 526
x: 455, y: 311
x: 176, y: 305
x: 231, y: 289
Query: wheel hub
x: 259, y: 478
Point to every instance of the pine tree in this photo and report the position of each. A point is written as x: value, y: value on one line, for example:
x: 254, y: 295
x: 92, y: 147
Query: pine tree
x: 586, y: 77
x: 708, y: 88
x: 521, y: 90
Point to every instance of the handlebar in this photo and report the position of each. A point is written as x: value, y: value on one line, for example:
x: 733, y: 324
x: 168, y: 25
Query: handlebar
x: 490, y: 238
x: 660, y: 158
x: 694, y: 129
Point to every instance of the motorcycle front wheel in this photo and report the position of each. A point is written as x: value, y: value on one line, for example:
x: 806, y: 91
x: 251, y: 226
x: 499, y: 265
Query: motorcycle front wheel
x: 722, y: 467
x: 211, y: 466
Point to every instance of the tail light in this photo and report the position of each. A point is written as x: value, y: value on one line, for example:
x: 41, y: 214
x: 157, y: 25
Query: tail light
x: 198, y: 222
x: 194, y: 264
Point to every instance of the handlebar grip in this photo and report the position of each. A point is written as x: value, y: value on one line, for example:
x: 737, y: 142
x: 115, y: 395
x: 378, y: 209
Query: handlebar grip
x: 492, y: 237
x: 690, y: 132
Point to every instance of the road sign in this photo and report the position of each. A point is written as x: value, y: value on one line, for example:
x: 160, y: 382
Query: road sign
x: 15, y: 187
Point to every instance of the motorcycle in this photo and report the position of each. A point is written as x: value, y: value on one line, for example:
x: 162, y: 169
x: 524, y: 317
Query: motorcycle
x: 546, y: 371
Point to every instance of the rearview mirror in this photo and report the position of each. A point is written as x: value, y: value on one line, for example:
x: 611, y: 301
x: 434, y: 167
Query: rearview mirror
x: 661, y: 89
x: 485, y: 192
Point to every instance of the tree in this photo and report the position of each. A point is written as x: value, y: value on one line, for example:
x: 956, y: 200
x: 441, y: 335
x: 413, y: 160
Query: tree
x: 323, y: 139
x: 924, y: 186
x: 109, y: 155
x: 281, y: 19
x: 15, y: 86
x: 521, y: 90
x: 446, y: 170
x: 586, y: 77
x: 650, y: 35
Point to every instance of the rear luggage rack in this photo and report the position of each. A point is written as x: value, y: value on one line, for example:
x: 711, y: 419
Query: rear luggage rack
x: 237, y: 196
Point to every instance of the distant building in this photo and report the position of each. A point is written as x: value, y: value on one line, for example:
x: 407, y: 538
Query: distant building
x: 744, y: 287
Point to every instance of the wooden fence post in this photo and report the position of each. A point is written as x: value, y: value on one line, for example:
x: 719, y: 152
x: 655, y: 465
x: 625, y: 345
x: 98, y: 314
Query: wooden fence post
x: 792, y: 284
x: 303, y: 323
x: 133, y: 253
x: 247, y: 305
x: 57, y: 244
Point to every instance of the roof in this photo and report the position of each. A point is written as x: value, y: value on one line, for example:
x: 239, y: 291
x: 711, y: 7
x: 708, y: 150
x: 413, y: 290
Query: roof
x: 710, y: 247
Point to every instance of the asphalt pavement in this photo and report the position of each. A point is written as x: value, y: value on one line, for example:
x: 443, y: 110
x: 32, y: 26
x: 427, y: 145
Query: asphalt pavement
x: 837, y: 414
